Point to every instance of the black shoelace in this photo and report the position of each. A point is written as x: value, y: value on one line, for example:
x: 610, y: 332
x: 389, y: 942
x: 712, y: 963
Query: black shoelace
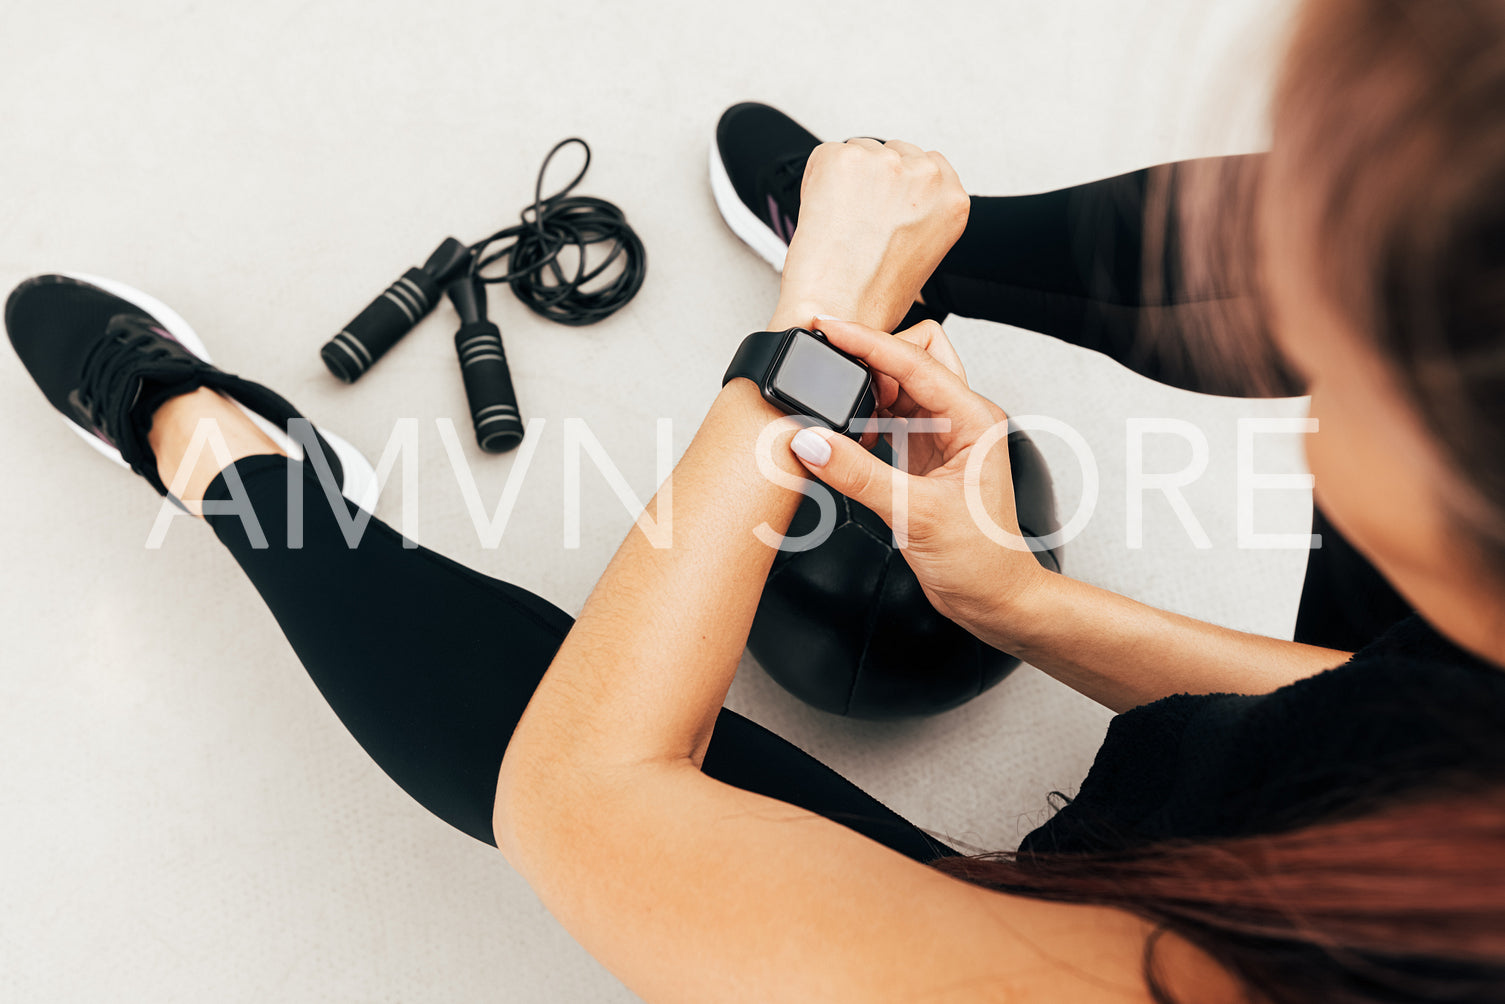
x: 105, y: 375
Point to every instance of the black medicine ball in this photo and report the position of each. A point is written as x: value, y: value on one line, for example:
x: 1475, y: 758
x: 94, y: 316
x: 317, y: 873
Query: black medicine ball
x: 845, y: 626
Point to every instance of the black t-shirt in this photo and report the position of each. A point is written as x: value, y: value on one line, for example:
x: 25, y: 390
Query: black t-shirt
x: 1404, y: 711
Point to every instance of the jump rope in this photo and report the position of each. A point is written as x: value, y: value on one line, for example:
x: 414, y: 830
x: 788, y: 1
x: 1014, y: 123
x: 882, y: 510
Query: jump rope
x: 531, y: 250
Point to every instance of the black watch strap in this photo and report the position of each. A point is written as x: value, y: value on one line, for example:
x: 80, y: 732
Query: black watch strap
x: 754, y: 357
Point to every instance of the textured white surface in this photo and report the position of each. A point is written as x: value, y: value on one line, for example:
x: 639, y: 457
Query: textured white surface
x: 181, y: 817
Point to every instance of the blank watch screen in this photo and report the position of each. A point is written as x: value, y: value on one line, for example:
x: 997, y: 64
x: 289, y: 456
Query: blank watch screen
x: 822, y: 381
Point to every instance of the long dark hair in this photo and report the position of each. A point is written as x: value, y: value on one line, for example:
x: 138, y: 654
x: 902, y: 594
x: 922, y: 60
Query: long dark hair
x: 1394, y: 113
x: 1401, y: 903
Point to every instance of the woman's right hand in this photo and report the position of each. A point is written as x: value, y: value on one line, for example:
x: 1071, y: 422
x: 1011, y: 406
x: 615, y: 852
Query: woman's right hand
x: 958, y: 477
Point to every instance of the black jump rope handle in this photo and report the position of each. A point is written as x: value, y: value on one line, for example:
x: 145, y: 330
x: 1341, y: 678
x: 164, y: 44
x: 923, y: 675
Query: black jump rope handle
x: 483, y: 364
x: 394, y: 313
x: 488, y: 382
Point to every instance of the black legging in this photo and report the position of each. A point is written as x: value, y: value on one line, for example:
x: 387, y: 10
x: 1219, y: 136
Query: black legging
x: 430, y: 664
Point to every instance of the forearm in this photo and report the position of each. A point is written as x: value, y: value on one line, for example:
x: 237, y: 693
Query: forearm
x: 1122, y: 653
x: 644, y: 671
x: 642, y: 675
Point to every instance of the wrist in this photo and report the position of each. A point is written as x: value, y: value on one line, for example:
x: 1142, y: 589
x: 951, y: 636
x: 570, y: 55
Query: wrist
x: 742, y: 398
x: 797, y: 314
x: 1015, y: 611
x: 797, y: 310
x: 747, y: 417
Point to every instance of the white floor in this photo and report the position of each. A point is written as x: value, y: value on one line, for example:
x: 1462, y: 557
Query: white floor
x: 181, y: 817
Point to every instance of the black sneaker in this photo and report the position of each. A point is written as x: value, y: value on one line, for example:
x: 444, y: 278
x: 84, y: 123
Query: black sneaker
x: 106, y: 355
x: 757, y: 164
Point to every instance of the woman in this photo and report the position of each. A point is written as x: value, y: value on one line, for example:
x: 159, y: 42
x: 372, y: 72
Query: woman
x: 1334, y: 835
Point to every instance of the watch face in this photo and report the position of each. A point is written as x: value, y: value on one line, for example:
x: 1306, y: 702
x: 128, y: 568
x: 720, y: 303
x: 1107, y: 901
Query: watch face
x: 819, y: 381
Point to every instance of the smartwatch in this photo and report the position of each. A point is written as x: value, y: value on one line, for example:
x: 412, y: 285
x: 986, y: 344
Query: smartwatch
x: 802, y: 374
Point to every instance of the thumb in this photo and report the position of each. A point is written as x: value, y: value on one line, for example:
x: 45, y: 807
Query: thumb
x: 851, y: 470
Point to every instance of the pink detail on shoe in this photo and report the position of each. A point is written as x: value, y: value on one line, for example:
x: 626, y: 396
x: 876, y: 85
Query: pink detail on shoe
x: 165, y: 334
x: 783, y: 227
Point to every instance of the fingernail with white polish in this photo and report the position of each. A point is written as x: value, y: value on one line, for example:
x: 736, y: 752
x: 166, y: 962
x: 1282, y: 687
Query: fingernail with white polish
x: 811, y: 447
x: 826, y: 317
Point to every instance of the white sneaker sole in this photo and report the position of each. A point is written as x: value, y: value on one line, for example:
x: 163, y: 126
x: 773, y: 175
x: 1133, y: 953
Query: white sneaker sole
x: 360, y: 479
x: 744, y: 222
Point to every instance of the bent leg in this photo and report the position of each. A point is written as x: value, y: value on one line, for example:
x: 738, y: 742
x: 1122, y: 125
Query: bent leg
x: 1076, y: 264
x: 1104, y: 265
x: 430, y: 664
